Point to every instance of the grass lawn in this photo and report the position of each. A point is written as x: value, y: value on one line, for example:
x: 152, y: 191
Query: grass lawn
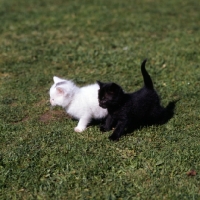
x: 41, y: 157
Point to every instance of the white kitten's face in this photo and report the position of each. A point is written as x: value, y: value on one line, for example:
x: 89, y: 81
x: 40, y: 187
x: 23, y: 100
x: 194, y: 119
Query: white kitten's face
x: 56, y: 97
x: 61, y: 92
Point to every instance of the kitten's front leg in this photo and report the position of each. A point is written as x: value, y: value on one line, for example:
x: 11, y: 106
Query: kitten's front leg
x: 82, y: 124
x: 119, y: 130
x: 107, y: 126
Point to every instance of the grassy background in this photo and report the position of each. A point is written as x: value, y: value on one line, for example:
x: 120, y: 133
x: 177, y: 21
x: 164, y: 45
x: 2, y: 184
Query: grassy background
x: 41, y: 157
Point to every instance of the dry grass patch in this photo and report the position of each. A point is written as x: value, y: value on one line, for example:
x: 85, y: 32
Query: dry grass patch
x: 53, y: 115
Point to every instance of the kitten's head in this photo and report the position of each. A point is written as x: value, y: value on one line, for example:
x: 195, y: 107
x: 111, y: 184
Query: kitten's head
x: 110, y: 95
x: 61, y: 92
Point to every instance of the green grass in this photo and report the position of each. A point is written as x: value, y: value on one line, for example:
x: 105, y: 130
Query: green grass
x: 41, y: 157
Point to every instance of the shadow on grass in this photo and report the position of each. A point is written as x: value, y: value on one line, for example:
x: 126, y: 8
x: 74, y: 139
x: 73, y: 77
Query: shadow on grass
x: 167, y: 114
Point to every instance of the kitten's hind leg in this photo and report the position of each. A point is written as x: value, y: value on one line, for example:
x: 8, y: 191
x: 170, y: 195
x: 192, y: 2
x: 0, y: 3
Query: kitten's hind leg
x: 82, y: 124
x: 107, y: 126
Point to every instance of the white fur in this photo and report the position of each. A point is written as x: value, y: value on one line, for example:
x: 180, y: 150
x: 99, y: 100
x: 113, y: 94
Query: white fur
x: 81, y: 103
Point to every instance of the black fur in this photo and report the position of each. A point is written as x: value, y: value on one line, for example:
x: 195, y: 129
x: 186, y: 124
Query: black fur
x: 131, y: 111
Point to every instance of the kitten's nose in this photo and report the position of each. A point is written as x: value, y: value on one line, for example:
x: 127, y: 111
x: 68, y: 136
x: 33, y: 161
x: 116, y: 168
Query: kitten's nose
x: 103, y: 102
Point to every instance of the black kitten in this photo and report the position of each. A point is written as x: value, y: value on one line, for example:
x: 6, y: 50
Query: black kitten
x: 134, y: 110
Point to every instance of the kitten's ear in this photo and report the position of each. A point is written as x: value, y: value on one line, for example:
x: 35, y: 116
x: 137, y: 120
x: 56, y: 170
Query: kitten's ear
x: 100, y: 83
x: 60, y: 90
x: 57, y: 79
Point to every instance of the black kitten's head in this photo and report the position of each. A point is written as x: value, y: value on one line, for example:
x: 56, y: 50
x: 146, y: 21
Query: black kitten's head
x: 110, y: 95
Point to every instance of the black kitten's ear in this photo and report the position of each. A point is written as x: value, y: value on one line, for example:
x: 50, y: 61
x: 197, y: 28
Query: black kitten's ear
x: 100, y: 83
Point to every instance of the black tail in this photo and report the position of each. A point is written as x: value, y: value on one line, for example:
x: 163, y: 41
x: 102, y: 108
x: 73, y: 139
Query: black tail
x: 147, y: 79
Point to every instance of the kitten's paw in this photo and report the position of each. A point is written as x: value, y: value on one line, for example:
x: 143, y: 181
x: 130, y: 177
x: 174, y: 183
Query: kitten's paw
x: 78, y: 129
x: 114, y: 137
x: 103, y: 128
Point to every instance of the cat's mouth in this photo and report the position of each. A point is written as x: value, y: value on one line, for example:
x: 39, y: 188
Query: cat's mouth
x: 102, y: 105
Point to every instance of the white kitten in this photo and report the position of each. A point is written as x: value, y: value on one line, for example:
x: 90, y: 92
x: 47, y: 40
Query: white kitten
x: 81, y: 103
